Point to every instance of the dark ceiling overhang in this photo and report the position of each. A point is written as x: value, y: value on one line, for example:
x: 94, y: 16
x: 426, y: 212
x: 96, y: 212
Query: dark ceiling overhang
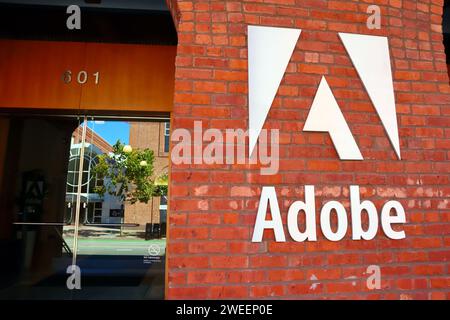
x: 155, y: 5
x: 113, y: 21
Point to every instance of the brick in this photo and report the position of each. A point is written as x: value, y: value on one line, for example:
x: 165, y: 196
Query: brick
x: 323, y: 165
x: 229, y: 261
x: 188, y: 262
x: 188, y: 233
x: 305, y: 289
x: 230, y: 100
x: 228, y: 292
x: 232, y: 233
x: 192, y: 98
x: 207, y: 247
x: 199, y: 277
x: 314, y: 69
x: 268, y: 261
x: 250, y: 276
x: 264, y: 291
x: 188, y: 293
x: 344, y: 286
x: 210, y: 86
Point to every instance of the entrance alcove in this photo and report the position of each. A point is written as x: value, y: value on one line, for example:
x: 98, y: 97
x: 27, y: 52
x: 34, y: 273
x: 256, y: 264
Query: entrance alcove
x: 119, y: 69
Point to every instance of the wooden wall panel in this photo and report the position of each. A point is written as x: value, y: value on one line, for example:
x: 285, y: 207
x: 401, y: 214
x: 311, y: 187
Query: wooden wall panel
x: 132, y: 77
x: 31, y: 74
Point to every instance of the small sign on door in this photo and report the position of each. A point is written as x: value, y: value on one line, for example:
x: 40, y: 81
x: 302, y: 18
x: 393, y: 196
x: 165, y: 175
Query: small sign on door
x: 116, y: 213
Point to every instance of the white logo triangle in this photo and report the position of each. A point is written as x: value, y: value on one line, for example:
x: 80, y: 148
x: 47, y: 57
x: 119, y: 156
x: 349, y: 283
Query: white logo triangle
x: 326, y: 116
x: 269, y: 52
x: 370, y: 56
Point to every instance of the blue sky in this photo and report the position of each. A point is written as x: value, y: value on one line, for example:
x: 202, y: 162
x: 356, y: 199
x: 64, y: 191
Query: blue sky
x: 111, y: 131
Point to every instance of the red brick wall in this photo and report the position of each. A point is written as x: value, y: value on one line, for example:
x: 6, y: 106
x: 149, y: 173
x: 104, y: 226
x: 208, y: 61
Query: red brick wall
x: 91, y: 137
x: 213, y: 208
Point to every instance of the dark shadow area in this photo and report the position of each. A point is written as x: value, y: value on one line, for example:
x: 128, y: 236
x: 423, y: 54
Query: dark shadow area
x: 32, y: 190
x: 111, y: 278
x: 43, y: 22
x: 446, y: 31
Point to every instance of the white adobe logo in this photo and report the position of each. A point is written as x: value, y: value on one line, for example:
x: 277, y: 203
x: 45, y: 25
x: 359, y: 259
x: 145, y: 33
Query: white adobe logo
x: 269, y: 52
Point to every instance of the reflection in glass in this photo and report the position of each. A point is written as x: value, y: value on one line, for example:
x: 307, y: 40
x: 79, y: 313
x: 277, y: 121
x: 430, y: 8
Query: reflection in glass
x: 121, y: 245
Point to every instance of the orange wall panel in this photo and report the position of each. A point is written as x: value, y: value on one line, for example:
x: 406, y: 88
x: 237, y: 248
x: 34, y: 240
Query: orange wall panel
x: 131, y: 77
x: 31, y: 74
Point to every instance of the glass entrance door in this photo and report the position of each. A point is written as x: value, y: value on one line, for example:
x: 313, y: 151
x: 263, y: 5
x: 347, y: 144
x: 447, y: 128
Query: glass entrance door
x: 35, y: 247
x: 104, y: 210
x: 119, y: 236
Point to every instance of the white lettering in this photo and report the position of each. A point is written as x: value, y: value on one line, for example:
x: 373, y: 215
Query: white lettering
x: 309, y: 208
x: 325, y: 222
x: 268, y: 194
x: 357, y: 207
x: 269, y: 199
x: 387, y: 219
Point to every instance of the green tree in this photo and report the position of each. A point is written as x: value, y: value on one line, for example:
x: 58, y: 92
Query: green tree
x: 128, y: 174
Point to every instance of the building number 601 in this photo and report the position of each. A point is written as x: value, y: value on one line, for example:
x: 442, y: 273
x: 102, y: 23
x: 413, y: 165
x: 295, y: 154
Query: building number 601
x: 81, y: 77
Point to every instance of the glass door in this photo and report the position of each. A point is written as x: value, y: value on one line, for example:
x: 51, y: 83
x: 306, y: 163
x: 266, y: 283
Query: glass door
x: 36, y: 242
x: 119, y: 219
x: 83, y: 208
